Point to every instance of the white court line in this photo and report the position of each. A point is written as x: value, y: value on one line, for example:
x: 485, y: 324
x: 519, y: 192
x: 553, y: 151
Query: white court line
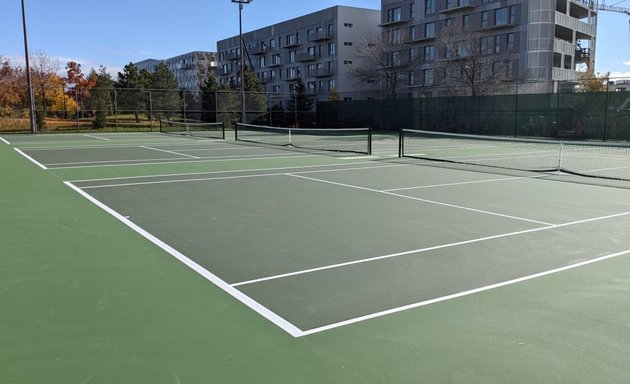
x: 422, y: 250
x: 251, y: 303
x: 419, y: 199
x: 461, y: 294
x: 240, y: 171
x: 5, y: 141
x: 216, y: 178
x: 461, y: 183
x: 157, y: 162
x: 171, y: 152
x: 42, y: 166
x: 97, y: 137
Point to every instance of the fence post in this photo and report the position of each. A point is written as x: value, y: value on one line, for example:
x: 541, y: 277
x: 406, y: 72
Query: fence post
x: 516, y: 112
x: 76, y: 100
x: 606, y: 111
x: 116, y: 109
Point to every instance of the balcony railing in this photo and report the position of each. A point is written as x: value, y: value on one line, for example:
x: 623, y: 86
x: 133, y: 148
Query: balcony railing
x: 321, y: 36
x: 307, y: 56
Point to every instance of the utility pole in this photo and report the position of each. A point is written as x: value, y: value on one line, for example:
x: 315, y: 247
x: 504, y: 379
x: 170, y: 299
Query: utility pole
x: 31, y: 96
x: 242, y: 57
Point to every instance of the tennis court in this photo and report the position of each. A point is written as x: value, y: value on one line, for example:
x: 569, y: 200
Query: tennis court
x: 358, y: 246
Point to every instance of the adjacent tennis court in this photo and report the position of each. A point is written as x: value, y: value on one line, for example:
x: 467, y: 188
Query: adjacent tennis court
x: 314, y: 243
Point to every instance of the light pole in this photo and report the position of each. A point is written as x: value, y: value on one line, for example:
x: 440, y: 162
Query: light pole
x: 31, y: 96
x: 240, y: 39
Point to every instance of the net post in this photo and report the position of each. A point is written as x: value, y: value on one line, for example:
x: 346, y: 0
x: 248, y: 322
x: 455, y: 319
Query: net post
x: 369, y: 149
x: 235, y: 131
x: 400, y: 143
x: 559, y: 158
x: 161, y: 130
x: 223, y: 130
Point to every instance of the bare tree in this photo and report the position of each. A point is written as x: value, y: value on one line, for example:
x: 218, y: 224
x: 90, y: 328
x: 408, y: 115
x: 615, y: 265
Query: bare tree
x: 384, y: 58
x: 44, y: 70
x: 473, y: 63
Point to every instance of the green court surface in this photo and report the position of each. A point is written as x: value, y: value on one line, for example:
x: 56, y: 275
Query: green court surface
x: 147, y: 258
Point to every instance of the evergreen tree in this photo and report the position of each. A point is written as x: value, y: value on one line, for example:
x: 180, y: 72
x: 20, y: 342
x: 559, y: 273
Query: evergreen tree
x: 255, y: 98
x: 130, y: 90
x: 209, y: 99
x: 301, y: 105
x: 166, y: 97
x: 100, y: 100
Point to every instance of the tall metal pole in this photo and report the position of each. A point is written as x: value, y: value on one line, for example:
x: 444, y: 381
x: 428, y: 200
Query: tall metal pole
x: 31, y: 96
x: 242, y: 57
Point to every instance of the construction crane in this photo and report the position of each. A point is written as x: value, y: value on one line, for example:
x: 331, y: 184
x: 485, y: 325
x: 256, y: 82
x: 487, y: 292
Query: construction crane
x: 613, y: 8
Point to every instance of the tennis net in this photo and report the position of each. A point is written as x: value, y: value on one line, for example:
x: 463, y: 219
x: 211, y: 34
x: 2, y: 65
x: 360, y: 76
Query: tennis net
x: 601, y: 160
x: 203, y: 130
x: 352, y: 140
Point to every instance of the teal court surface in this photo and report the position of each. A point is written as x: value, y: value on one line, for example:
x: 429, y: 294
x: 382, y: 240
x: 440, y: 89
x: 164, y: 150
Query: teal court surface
x: 305, y: 267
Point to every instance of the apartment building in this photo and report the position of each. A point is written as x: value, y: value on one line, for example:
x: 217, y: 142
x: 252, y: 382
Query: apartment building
x: 191, y: 70
x: 318, y: 48
x: 542, y: 42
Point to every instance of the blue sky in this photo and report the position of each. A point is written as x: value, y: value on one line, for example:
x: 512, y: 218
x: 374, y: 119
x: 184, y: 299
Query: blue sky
x: 113, y: 33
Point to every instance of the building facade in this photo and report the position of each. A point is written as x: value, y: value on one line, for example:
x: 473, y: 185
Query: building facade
x: 191, y: 70
x: 542, y: 42
x: 319, y: 48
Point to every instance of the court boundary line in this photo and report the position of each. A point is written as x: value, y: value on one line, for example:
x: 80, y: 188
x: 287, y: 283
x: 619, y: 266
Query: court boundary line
x: 5, y: 141
x: 420, y: 199
x: 171, y: 152
x: 463, y: 183
x: 428, y: 249
x: 42, y: 166
x: 183, y: 161
x: 462, y: 294
x: 220, y: 283
x: 96, y: 137
x: 227, y: 171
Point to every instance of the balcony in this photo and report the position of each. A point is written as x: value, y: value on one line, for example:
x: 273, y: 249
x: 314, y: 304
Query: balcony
x: 307, y: 56
x: 292, y: 44
x: 320, y: 36
x: 258, y: 51
x: 457, y: 8
x: 321, y: 72
x: 392, y: 23
x: 232, y: 56
x: 276, y: 63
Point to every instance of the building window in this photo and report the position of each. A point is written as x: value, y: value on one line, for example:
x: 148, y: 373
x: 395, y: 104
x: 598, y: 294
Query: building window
x: 395, y: 36
x: 394, y: 14
x: 427, y: 75
x: 513, y: 15
x: 347, y: 61
x: 429, y: 7
x: 347, y: 43
x: 487, y: 44
x: 511, y: 37
x: 292, y: 56
x: 429, y: 53
x: 332, y: 49
x: 412, y: 33
x: 332, y: 84
x: 484, y: 19
x: 466, y: 22
x: 501, y: 16
x: 348, y: 25
x: 411, y: 78
x: 429, y: 30
x: 412, y: 10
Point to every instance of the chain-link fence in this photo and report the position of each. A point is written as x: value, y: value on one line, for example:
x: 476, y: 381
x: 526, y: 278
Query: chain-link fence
x: 520, y: 110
